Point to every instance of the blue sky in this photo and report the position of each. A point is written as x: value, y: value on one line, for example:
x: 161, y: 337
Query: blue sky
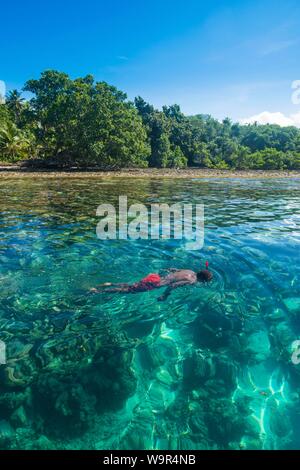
x: 226, y: 58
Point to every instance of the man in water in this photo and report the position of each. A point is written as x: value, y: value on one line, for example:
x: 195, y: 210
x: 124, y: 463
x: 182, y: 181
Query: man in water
x: 175, y: 278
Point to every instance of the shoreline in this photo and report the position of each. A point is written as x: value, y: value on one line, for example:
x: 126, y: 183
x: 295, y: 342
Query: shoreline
x: 6, y: 172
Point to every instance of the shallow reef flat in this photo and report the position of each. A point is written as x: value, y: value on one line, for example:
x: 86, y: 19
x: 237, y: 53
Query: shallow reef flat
x: 17, y: 172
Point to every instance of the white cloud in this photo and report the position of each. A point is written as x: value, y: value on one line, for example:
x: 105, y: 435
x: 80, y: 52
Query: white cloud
x: 267, y: 117
x: 2, y: 91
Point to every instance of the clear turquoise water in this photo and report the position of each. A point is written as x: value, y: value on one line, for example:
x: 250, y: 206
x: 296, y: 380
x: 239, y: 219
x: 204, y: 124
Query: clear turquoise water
x: 210, y: 368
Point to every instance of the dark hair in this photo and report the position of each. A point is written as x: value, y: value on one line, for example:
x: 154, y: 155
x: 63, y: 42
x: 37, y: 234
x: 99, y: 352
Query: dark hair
x: 204, y: 275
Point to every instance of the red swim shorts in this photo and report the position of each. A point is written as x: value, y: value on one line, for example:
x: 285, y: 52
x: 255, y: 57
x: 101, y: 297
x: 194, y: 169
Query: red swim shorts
x: 147, y: 283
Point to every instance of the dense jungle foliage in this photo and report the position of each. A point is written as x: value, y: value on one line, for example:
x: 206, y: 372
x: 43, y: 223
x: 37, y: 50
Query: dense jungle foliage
x: 85, y: 123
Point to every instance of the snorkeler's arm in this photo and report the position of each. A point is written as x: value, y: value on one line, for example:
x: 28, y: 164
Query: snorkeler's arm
x: 168, y: 270
x: 171, y: 287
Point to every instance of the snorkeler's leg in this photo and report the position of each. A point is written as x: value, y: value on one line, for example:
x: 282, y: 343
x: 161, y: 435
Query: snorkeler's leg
x: 121, y: 287
x: 114, y: 284
x: 103, y: 287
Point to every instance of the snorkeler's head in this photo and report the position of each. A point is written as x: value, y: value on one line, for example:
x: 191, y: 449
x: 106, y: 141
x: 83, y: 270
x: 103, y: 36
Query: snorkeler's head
x: 204, y: 275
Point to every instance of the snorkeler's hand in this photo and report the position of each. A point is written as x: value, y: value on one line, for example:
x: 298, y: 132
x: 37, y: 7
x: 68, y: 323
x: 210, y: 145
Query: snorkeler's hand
x: 165, y: 295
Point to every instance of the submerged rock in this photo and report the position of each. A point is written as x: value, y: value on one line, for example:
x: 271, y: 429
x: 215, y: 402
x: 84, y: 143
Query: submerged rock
x: 277, y: 315
x: 214, y: 372
x: 259, y: 346
x: 223, y: 421
x: 6, y: 432
x: 282, y: 337
x: 292, y: 304
x: 19, y: 417
x: 43, y: 443
x: 280, y: 423
x: 197, y: 369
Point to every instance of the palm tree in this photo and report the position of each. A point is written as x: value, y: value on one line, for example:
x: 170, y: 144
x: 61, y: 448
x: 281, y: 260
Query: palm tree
x: 15, y: 103
x: 14, y: 143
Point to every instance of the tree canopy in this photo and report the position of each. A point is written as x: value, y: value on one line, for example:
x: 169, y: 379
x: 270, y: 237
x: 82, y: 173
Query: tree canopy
x: 86, y: 123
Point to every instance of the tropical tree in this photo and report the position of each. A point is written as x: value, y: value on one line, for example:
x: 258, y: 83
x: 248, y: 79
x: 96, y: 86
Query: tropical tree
x: 177, y: 158
x: 90, y: 123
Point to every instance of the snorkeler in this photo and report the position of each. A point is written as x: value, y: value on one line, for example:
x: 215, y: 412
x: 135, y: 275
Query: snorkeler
x: 175, y: 278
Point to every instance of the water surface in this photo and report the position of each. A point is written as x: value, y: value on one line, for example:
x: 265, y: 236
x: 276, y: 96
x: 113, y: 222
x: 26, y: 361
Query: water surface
x: 210, y: 368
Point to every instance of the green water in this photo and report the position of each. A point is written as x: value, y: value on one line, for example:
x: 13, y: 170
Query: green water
x: 210, y: 368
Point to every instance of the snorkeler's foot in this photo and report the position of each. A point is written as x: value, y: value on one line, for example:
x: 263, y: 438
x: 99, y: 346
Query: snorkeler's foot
x: 93, y: 290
